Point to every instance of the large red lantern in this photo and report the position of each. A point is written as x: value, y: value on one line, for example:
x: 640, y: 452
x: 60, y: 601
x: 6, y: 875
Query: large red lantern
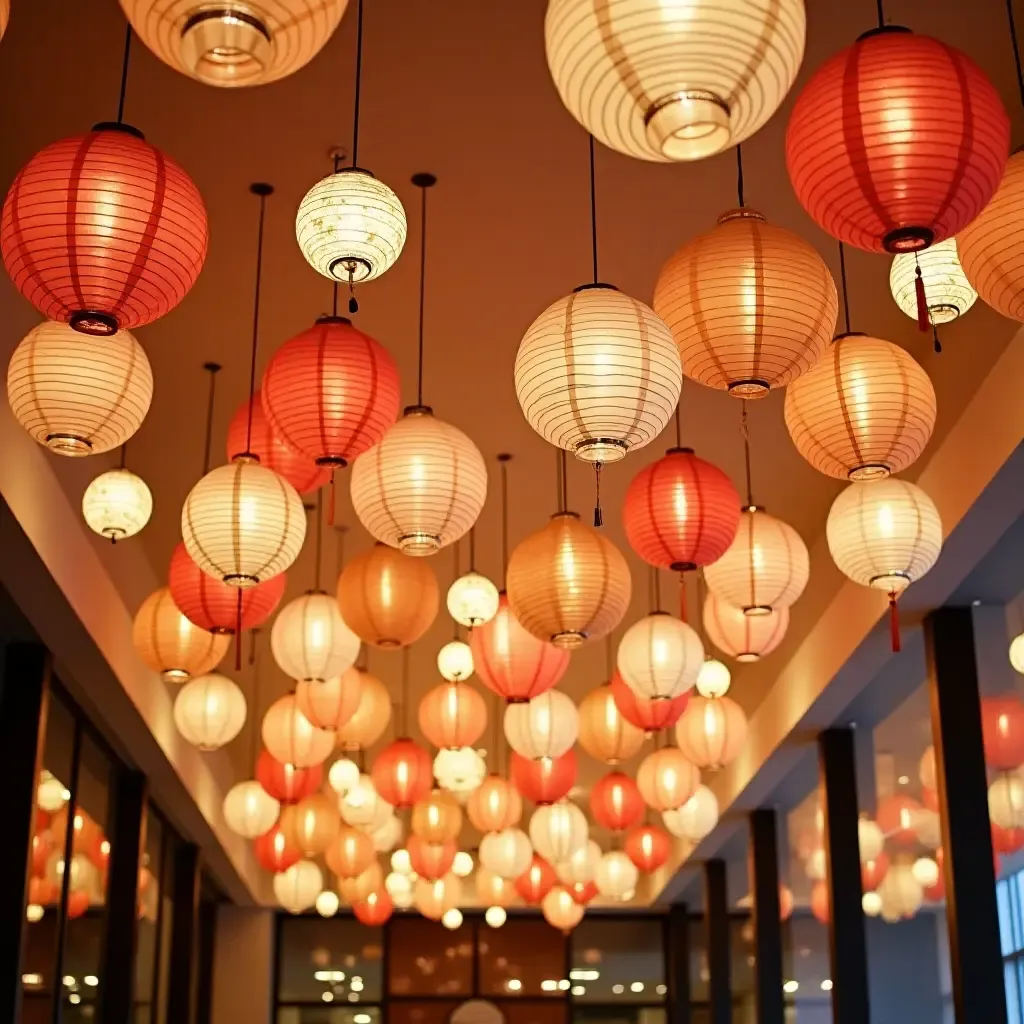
x: 512, y: 662
x: 897, y: 142
x: 648, y: 846
x: 649, y: 715
x: 873, y: 871
x: 285, y: 782
x: 102, y: 231
x: 375, y: 910
x: 545, y: 780
x: 274, y: 851
x: 1002, y: 725
x: 536, y: 881
x: 403, y: 773
x: 431, y: 860
x: 616, y: 802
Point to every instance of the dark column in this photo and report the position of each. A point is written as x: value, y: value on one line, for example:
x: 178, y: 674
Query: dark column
x: 117, y: 964
x: 677, y: 963
x: 716, y: 914
x: 847, y: 943
x: 183, y: 974
x: 764, y: 875
x: 971, y: 913
x: 204, y: 975
x: 24, y: 699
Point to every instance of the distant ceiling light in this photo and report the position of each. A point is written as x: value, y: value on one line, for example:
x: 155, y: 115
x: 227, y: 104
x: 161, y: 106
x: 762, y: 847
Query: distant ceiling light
x: 618, y: 989
x: 513, y: 984
x: 327, y: 903
x: 69, y: 981
x: 661, y: 989
x: 32, y: 979
x: 790, y: 986
x: 495, y: 916
x: 826, y: 985
x: 327, y: 997
x: 452, y: 919
x: 904, y: 780
x: 74, y: 998
x: 549, y: 985
x: 462, y: 866
x: 353, y: 997
x: 578, y: 990
x: 637, y: 986
x: 361, y: 1018
x: 563, y: 985
x: 580, y: 974
x: 357, y: 985
x: 34, y: 912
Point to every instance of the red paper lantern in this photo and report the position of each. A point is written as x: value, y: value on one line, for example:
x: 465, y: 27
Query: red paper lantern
x: 403, y: 773
x: 299, y: 470
x: 897, y: 142
x: 102, y: 231
x: 648, y: 847
x: 431, y: 860
x: 285, y: 782
x: 536, y: 881
x: 546, y: 780
x: 681, y: 512
x: 78, y: 903
x: 873, y: 871
x: 512, y: 662
x: 274, y: 851
x: 583, y: 892
x: 820, y: 902
x: 375, y: 910
x: 1002, y: 726
x: 331, y: 392
x: 1007, y: 840
x: 649, y: 715
x: 895, y: 818
x: 43, y: 844
x: 616, y: 802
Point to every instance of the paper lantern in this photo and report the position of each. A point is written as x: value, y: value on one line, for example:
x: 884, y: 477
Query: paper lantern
x: 209, y: 711
x: 363, y: 807
x: 388, y: 835
x: 558, y: 830
x: 1007, y: 840
x: 580, y: 866
x: 291, y: 738
x: 349, y: 853
x: 872, y: 871
x: 437, y: 817
x: 472, y: 600
x: 696, y: 818
x: 925, y: 871
x: 713, y: 680
x: 511, y: 661
x: 901, y: 893
x: 507, y: 853
x: 330, y: 704
x: 536, y: 881
x: 360, y: 887
x: 895, y: 818
x: 283, y: 781
x: 934, y: 126
x: 597, y: 374
x: 249, y: 810
x: 743, y: 637
x: 452, y: 919
x: 431, y: 860
x: 399, y: 888
x: 545, y: 726
x: 492, y: 890
x: 310, y: 640
x: 117, y: 504
x: 751, y: 306
x: 785, y: 903
x: 495, y: 916
x: 243, y: 524
x: 616, y: 876
x: 495, y: 805
x: 1006, y: 802
x: 312, y: 824
x: 171, y: 645
x: 371, y: 717
x: 871, y: 904
x: 460, y: 771
x: 350, y: 226
x: 712, y: 732
x: 546, y: 780
x: 648, y: 847
x: 948, y: 293
x: 870, y: 840
x: 297, y: 887
x: 403, y: 773
x: 560, y: 909
x: 327, y: 903
x: 435, y: 898
x: 51, y: 795
x: 667, y: 779
x: 820, y: 903
x: 387, y: 598
x: 452, y: 715
x: 455, y: 661
x: 766, y: 566
x: 79, y: 395
x: 1002, y: 726
x: 375, y: 910
x: 259, y: 439
x: 568, y: 583
x: 605, y: 733
x: 865, y: 411
x: 103, y: 231
x: 650, y: 715
x: 659, y: 657
x: 463, y: 864
x: 235, y: 44
x: 664, y: 82
x: 331, y: 392
x: 274, y: 852
x: 615, y: 802
x: 1016, y: 653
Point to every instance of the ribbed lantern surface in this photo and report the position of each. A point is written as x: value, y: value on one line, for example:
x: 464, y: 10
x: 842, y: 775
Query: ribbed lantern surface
x: 712, y: 732
x: 331, y: 704
x: 494, y: 805
x: 209, y: 711
x: 740, y: 636
x: 371, y: 717
x: 605, y: 733
x: 544, y: 780
x: 171, y: 645
x: 948, y: 293
x: 659, y: 657
x: 545, y: 726
x: 650, y: 715
x: 291, y: 738
x: 117, y: 504
x: 310, y: 639
x: 667, y: 779
x: 452, y: 715
x: 403, y: 773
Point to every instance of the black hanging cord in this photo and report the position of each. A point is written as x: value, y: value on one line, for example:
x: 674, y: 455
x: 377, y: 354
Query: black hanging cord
x: 846, y: 290
x: 561, y: 476
x: 701, y: 589
x: 359, y: 83
x: 319, y: 537
x: 1016, y: 49
x: 746, y: 452
x: 739, y: 174
x: 472, y: 548
x: 422, y: 181
x: 593, y: 208
x: 881, y: 14
x: 679, y: 425
x: 212, y: 369
x: 124, y: 73
x: 261, y: 189
x: 124, y: 455
x: 504, y: 458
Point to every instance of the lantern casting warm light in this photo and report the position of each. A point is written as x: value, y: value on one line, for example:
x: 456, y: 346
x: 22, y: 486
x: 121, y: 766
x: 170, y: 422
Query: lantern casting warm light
x: 460, y: 771
x: 544, y: 780
x: 274, y: 852
x: 403, y: 773
x: 667, y: 779
x: 1002, y: 728
x: 649, y: 715
x: 472, y: 600
x: 493, y: 890
x: 696, y: 818
x: 437, y: 818
x: 1006, y: 801
x: 429, y: 859
x: 536, y: 881
x: 297, y: 887
x: 616, y: 875
x: 714, y: 678
x: 948, y: 293
x: 659, y: 657
x: 374, y: 910
x: 507, y: 853
x: 581, y: 865
x: 648, y: 847
x: 249, y: 810
x: 746, y: 638
x: 712, y: 732
x: 455, y: 661
x: 452, y: 919
x: 327, y: 903
x: 557, y: 831
x: 349, y: 852
x: 310, y: 640
x: 291, y: 738
x: 434, y: 899
x: 117, y: 504
x: 171, y: 645
x: 545, y: 726
x: 494, y: 805
x: 312, y: 824
x: 360, y: 887
x: 209, y: 711
x: 285, y: 782
x: 330, y: 704
x: 452, y: 715
x: 561, y: 910
x: 363, y: 807
x: 370, y: 719
x: 605, y: 733
x: 615, y: 802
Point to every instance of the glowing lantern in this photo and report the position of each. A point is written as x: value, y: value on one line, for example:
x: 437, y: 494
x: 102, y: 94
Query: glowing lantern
x: 616, y: 875
x: 1016, y: 653
x: 274, y: 852
x: 506, y: 853
x: 1002, y: 725
x: 310, y: 640
x: 714, y: 679
x: 452, y: 715
x: 297, y: 887
x: 388, y: 835
x: 660, y: 656
x: 455, y: 661
x: 696, y: 818
x: 605, y: 733
x: 492, y: 890
x: 546, y: 780
x: 363, y: 807
x: 712, y: 732
x: 209, y: 711
x: 330, y: 704
x: 743, y: 637
x: 117, y: 505
x: 536, y: 881
x: 459, y: 771
x: 437, y: 817
x: 948, y: 293
x: 648, y: 847
x: 349, y: 853
x: 431, y: 860
x: 873, y: 870
x: 902, y: 894
x: 327, y: 903
x: 249, y: 810
x: 494, y: 805
x: 667, y: 779
x: 435, y: 898
x: 545, y: 726
x: 370, y: 719
x: 583, y: 892
x: 170, y: 644
x: 616, y: 803
x: 472, y: 600
x: 1006, y: 802
x: 870, y: 840
x: 560, y: 909
x: 312, y: 824
x: 895, y: 818
x: 403, y: 773
x: 360, y: 887
x: 820, y: 902
x: 285, y: 782
x: 291, y: 738
x: 650, y: 715
x: 581, y: 865
x: 399, y: 888
x: 557, y: 831
x: 375, y: 910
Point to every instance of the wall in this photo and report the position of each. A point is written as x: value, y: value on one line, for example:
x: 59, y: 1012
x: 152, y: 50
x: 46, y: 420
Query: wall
x: 243, y: 966
x: 903, y: 970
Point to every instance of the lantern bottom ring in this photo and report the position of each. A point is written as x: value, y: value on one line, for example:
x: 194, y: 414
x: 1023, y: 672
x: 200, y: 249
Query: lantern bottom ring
x: 225, y: 44
x: 893, y: 582
x: 334, y: 461
x: 68, y: 444
x: 221, y: 630
x: 114, y: 533
x: 419, y: 543
x: 943, y: 312
x: 756, y: 610
x: 751, y: 387
x: 355, y: 269
x: 910, y: 239
x: 683, y: 566
x: 568, y: 638
x: 241, y: 580
x: 387, y: 642
x: 174, y: 675
x: 93, y: 322
x: 748, y: 656
x: 601, y: 449
x: 688, y: 124
x: 870, y: 471
x: 517, y: 700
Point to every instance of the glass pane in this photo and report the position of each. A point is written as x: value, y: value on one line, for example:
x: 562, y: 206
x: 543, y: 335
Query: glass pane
x: 149, y: 902
x: 1005, y: 916
x: 328, y: 1014
x: 437, y: 1012
x: 525, y: 957
x: 426, y: 959
x: 1012, y: 992
x: 620, y: 1015
x: 618, y: 961
x: 338, y: 957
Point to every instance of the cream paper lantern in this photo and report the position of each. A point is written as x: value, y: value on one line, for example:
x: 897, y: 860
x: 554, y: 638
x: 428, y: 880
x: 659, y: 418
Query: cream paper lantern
x: 472, y: 600
x: 746, y: 638
x: 495, y: 916
x: 494, y: 891
x: 79, y: 394
x: 343, y: 775
x: 816, y: 866
x: 401, y: 863
x: 713, y: 679
x: 926, y: 872
x: 297, y: 888
x: 712, y: 731
x: 249, y: 810
x: 674, y: 81
x: 1017, y: 653
x: 660, y: 657
x: 422, y: 487
x: 667, y: 779
x: 435, y: 898
x: 51, y: 793
x: 560, y: 910
x: 363, y: 807
x: 330, y: 703
x: 459, y: 771
x: 507, y: 853
x: 765, y: 568
x: 117, y: 505
x: 597, y: 374
x: 462, y: 865
x: 871, y: 904
x: 327, y: 903
x: 309, y: 639
x: 616, y: 876
x: 291, y: 738
x: 387, y: 836
x: 243, y: 523
x: 580, y: 866
x: 209, y: 711
x: 400, y: 889
x: 870, y: 838
x: 1006, y: 801
x: 696, y: 818
x: 355, y: 890
x: 546, y: 726
x: 558, y: 830
x: 901, y: 893
x: 455, y: 661
x: 452, y: 919
x: 170, y: 644
x: 947, y: 291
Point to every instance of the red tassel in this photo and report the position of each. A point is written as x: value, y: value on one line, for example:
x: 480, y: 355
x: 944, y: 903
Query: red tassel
x: 923, y: 319
x: 238, y: 633
x: 894, y: 623
x: 682, y: 597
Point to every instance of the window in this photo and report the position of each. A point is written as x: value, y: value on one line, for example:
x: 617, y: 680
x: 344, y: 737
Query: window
x: 1010, y: 901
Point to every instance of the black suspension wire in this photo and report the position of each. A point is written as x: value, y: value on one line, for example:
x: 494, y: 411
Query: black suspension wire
x: 421, y: 180
x: 739, y: 174
x: 1016, y: 49
x: 319, y: 537
x: 472, y: 548
x: 744, y: 430
x: 124, y: 73
x: 504, y: 458
x: 359, y: 83
x: 679, y: 425
x: 212, y: 369
x: 561, y: 476
x: 262, y: 190
x: 701, y: 595
x: 593, y: 208
x: 846, y: 290
x: 124, y: 455
x: 881, y: 14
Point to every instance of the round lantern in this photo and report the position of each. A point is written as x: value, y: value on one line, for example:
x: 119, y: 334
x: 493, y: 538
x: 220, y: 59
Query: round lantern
x: 243, y: 524
x: 472, y: 600
x: 870, y: 840
x: 597, y: 374
x: 327, y: 903
x: 492, y: 890
x: 215, y: 606
x: 403, y: 773
x: 560, y: 910
x: 209, y: 711
x: 1016, y: 653
x: 536, y: 881
x: 820, y: 902
x: 387, y: 836
x: 926, y: 872
x: 932, y: 168
x: 360, y: 887
x: 872, y: 871
x: 259, y: 439
x: 545, y: 726
x: 79, y: 395
x: 1002, y: 726
x: 460, y: 771
x: 350, y: 226
x: 696, y: 818
x: 283, y: 781
x: 901, y: 893
x: 389, y: 599
x: 583, y: 892
x: 896, y: 819
x: 249, y: 810
x: 422, y: 487
x: 452, y: 919
x: 429, y: 859
x: 765, y: 568
x: 495, y: 916
x: 291, y: 738
x: 712, y: 732
x: 399, y: 888
x: 667, y: 779
x: 437, y: 817
x: 581, y: 865
x: 557, y: 831
x: 616, y: 876
x: 371, y: 717
x: 714, y: 679
x: 659, y: 657
x: 948, y: 293
x: 568, y: 583
x: 650, y: 715
x: 743, y: 637
x: 375, y: 910
x: 681, y: 512
x: 452, y: 715
x: 1007, y: 840
x: 310, y: 639
x: 455, y: 661
x: 750, y: 305
x: 1006, y: 802
x: 169, y: 644
x: 546, y: 780
x: 645, y: 80
x: 511, y: 661
x: 103, y: 231
x: 312, y: 824
x: 51, y: 794
x: 648, y: 847
x: 331, y: 392
x: 494, y: 805
x: 507, y: 853
x: 871, y: 904
x: 864, y: 411
x: 605, y: 733
x: 349, y: 853
x: 615, y: 802
x: 363, y: 807
x: 330, y: 704
x: 435, y: 898
x: 297, y: 887
x: 117, y: 504
x: 274, y: 852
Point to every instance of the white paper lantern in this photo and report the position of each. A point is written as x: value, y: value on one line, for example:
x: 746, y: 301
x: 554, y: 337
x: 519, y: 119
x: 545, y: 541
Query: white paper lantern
x: 117, y: 504
x: 871, y: 839
x: 209, y: 711
x: 51, y: 794
x: 927, y: 826
x: 926, y: 872
x: 327, y: 903
x: 558, y: 830
x: 616, y: 876
x: 713, y: 679
x: 711, y: 732
x: 1006, y: 801
x: 363, y: 807
x: 291, y: 738
x: 816, y: 866
x: 310, y: 640
x: 495, y: 916
x: 343, y: 775
x: 462, y: 866
x: 580, y: 866
x: 746, y: 638
x: 399, y: 888
x: 452, y: 919
x: 947, y: 291
x: 459, y: 771
x: 455, y: 661
x: 249, y: 810
x: 598, y: 374
x: 696, y: 818
x: 900, y: 892
x: 546, y: 726
x: 387, y: 836
x: 1017, y: 653
x: 472, y: 600
x: 507, y: 853
x: 297, y: 888
x: 871, y: 904
x: 401, y: 863
x: 660, y: 656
